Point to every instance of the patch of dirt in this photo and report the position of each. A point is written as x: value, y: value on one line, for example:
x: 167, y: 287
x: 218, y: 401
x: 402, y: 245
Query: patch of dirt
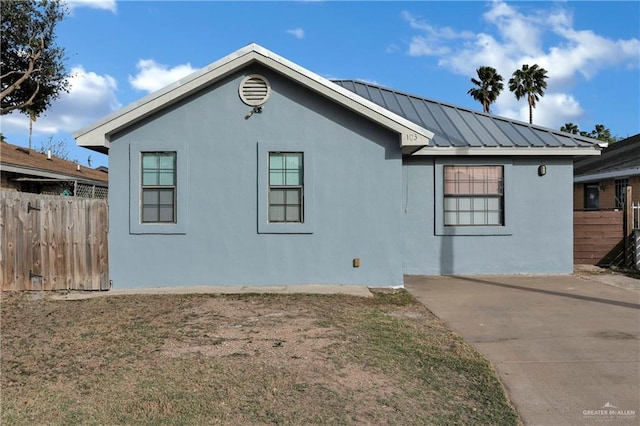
x: 245, y: 359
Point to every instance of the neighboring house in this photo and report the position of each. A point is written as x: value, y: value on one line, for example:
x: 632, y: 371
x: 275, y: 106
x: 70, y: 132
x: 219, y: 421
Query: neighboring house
x: 256, y: 171
x: 27, y: 170
x: 600, y: 182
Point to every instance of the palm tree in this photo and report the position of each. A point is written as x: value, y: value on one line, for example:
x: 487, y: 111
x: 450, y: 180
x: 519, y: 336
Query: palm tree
x: 530, y: 82
x: 489, y: 87
x: 570, y: 128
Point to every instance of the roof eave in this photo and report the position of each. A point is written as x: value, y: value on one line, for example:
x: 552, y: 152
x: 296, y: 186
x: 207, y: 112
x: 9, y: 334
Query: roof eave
x: 506, y: 151
x: 97, y: 136
x: 614, y: 174
x: 32, y: 171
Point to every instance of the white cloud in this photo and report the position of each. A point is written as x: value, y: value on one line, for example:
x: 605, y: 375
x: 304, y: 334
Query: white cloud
x: 513, y: 38
x: 109, y: 5
x: 553, y: 110
x: 90, y: 97
x: 153, y: 76
x: 297, y: 33
x: 429, y: 42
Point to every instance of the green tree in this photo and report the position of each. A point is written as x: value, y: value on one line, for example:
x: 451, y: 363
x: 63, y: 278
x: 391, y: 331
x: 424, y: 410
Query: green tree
x: 32, y: 64
x: 570, y: 128
x: 600, y: 132
x: 489, y: 85
x: 529, y: 81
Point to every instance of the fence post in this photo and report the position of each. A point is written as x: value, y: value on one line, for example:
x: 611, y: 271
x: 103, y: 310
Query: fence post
x: 628, y: 228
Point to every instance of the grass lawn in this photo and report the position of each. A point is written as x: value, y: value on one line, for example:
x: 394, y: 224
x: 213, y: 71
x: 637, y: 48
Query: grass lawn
x: 240, y: 359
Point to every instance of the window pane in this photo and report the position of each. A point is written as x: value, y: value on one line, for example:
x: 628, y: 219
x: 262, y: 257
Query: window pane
x: 479, y: 187
x: 479, y: 204
x: 293, y: 178
x: 493, y: 203
x: 166, y: 213
x: 276, y: 196
x: 276, y: 178
x: 464, y: 204
x: 166, y: 196
x: 494, y: 218
x: 166, y: 178
x: 450, y: 218
x: 293, y: 213
x: 494, y: 187
x: 450, y: 188
x: 276, y: 213
x: 293, y: 196
x: 479, y: 218
x: 464, y: 218
x: 275, y: 161
x: 150, y: 214
x: 294, y: 160
x: 149, y: 178
x: 149, y: 196
x: 450, y: 203
x: 167, y: 160
x: 149, y: 160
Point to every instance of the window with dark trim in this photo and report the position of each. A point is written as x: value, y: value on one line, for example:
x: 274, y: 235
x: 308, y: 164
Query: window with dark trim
x: 473, y: 196
x: 592, y: 196
x: 158, y: 203
x: 286, y: 187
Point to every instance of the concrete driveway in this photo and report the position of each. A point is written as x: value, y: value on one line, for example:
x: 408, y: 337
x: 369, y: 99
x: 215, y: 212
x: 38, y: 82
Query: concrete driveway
x: 567, y: 348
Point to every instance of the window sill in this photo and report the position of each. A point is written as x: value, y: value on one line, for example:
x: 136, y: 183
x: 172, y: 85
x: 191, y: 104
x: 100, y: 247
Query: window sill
x: 474, y: 230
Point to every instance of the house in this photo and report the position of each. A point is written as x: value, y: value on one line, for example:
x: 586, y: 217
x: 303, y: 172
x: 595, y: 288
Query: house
x: 256, y: 171
x: 27, y: 170
x: 599, y: 183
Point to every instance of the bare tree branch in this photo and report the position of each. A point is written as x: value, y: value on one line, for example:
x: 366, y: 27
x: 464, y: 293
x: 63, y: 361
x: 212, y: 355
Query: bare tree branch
x: 25, y: 77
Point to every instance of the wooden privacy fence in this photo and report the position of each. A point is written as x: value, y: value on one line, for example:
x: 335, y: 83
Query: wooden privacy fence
x: 598, y: 237
x: 53, y: 242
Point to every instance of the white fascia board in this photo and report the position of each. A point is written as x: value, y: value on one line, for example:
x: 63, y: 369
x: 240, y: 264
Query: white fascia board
x: 503, y: 151
x: 98, y: 134
x: 615, y: 174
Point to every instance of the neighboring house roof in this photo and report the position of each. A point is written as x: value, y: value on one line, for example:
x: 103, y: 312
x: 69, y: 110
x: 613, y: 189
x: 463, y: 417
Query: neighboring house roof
x: 618, y: 160
x: 35, y: 165
x: 460, y: 131
x: 97, y: 136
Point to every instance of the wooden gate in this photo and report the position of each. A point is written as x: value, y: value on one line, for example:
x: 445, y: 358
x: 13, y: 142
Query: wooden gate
x: 52, y: 242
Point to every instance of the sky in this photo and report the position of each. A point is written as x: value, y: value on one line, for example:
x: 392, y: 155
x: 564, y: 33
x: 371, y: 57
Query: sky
x: 120, y: 51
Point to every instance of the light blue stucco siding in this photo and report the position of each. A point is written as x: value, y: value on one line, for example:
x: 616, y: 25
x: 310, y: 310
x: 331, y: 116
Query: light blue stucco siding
x: 354, y: 189
x: 537, y: 237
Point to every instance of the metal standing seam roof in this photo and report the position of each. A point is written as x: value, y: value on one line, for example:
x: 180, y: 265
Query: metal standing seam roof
x: 456, y: 127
